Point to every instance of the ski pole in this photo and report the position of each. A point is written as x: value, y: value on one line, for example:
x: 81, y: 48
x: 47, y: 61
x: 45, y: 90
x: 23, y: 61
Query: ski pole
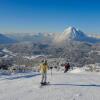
x: 51, y: 70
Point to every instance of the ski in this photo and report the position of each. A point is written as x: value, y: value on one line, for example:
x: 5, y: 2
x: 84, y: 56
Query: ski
x: 45, y: 84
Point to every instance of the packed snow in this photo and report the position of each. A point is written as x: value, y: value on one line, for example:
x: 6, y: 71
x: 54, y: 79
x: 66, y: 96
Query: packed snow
x: 73, y: 85
x: 77, y: 70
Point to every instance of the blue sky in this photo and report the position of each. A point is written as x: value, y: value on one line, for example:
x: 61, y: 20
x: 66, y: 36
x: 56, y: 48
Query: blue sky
x: 49, y: 15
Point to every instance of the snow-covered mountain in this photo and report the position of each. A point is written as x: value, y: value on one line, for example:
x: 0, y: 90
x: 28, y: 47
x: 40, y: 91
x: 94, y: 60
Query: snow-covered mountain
x: 32, y: 37
x: 4, y: 39
x: 5, y: 53
x: 71, y: 33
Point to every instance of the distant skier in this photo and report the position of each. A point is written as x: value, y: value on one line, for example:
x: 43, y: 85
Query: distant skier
x: 43, y: 69
x: 67, y: 67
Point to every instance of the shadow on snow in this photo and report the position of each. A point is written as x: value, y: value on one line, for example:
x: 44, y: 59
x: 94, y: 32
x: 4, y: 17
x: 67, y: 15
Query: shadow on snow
x: 83, y: 85
x: 23, y: 76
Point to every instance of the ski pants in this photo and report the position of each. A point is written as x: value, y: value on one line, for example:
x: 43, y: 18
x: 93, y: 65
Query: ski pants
x: 44, y: 77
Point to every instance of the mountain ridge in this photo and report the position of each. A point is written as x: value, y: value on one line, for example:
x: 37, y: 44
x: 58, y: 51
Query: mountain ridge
x: 71, y: 33
x: 6, y: 40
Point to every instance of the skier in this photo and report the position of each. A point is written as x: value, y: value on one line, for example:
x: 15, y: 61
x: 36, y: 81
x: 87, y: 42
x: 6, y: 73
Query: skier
x: 43, y: 69
x: 67, y: 67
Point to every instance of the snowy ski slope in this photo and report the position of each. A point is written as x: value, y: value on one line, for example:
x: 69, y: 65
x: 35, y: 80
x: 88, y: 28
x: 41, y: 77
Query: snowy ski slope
x: 74, y: 85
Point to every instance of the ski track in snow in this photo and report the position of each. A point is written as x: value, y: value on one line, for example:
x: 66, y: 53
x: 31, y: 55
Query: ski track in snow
x: 63, y: 86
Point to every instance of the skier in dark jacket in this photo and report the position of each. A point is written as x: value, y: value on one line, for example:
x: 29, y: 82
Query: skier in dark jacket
x: 67, y: 67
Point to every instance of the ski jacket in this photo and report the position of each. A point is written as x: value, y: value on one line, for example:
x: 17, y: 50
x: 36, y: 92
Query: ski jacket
x: 43, y: 68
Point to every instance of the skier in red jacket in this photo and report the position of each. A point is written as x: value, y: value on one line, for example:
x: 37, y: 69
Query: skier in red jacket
x: 67, y: 67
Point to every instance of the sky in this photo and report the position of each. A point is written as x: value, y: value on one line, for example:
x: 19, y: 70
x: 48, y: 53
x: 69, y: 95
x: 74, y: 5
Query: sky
x: 49, y: 15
